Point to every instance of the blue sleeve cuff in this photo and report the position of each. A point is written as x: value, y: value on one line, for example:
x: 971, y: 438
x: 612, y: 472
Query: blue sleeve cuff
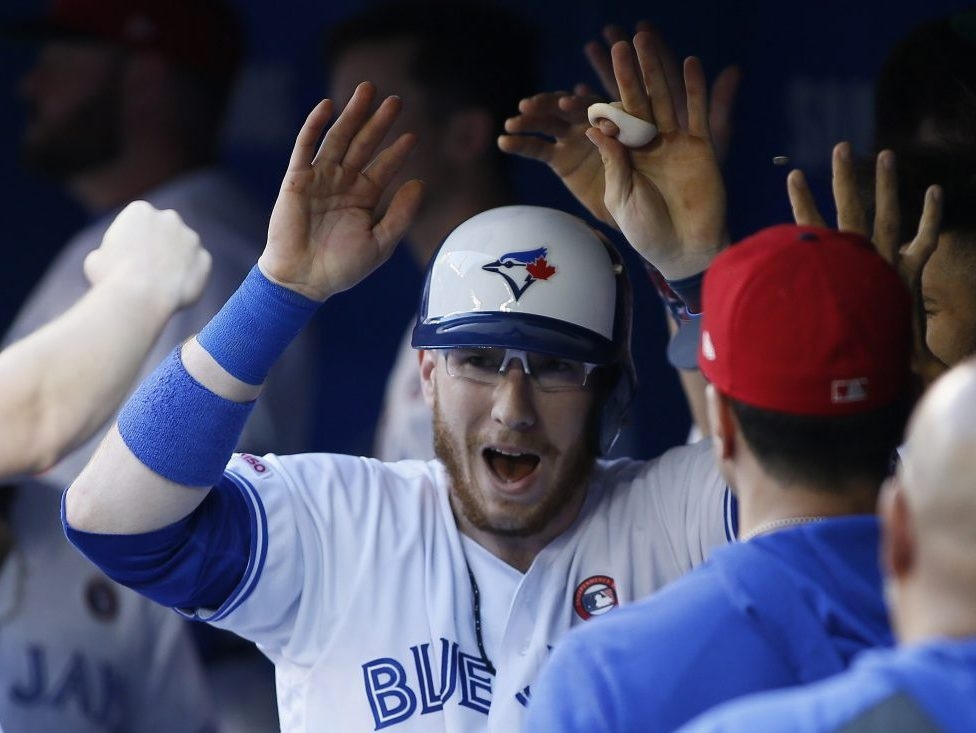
x: 683, y: 301
x: 689, y: 291
x: 196, y: 562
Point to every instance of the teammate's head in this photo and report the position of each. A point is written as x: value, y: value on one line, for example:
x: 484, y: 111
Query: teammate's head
x: 538, y: 282
x: 460, y: 67
x: 925, y: 110
x: 108, y: 67
x: 928, y: 515
x: 925, y: 96
x: 458, y: 55
x: 806, y: 335
x: 949, y: 278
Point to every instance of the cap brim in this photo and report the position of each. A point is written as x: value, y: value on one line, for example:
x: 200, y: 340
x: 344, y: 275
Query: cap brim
x: 516, y: 331
x: 683, y: 347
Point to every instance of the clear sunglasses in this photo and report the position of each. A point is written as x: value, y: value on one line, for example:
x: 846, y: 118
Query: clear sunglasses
x: 487, y: 365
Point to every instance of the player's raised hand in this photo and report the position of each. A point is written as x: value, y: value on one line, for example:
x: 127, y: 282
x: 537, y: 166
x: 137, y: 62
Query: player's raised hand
x: 324, y: 235
x: 723, y: 90
x: 153, y: 255
x: 561, y: 118
x: 667, y: 197
x: 907, y: 258
x: 551, y: 128
x: 852, y: 215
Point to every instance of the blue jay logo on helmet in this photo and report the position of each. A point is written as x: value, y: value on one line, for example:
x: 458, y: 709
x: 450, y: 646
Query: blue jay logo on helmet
x: 532, y: 262
x: 482, y: 290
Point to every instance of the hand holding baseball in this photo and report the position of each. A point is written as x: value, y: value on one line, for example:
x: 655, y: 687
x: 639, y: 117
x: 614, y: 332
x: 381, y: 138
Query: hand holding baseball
x: 667, y: 197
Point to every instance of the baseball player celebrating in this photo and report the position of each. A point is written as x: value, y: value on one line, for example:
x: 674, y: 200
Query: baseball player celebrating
x: 412, y: 595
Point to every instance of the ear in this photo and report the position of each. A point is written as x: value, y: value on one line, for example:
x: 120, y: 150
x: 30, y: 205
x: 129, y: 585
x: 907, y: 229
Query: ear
x: 722, y: 422
x: 897, y: 537
x: 428, y: 369
x: 469, y: 135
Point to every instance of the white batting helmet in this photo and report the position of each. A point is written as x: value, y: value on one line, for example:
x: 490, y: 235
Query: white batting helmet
x: 537, y: 279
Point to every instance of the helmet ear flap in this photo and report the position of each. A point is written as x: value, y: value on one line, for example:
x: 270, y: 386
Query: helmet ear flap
x: 620, y: 393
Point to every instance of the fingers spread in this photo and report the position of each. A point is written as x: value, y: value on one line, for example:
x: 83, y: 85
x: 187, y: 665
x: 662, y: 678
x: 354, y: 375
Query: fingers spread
x: 544, y: 124
x: 850, y: 210
x: 308, y: 137
x: 801, y: 200
x: 526, y: 146
x: 921, y: 248
x: 655, y: 83
x: 350, y: 121
x: 669, y: 65
x: 887, y: 216
x: 633, y: 94
x: 367, y: 139
x: 543, y: 103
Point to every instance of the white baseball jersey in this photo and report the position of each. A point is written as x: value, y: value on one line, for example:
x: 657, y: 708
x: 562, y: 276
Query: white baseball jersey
x: 358, y: 585
x: 81, y: 654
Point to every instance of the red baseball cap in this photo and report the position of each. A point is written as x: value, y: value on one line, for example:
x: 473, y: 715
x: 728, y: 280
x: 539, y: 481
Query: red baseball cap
x: 807, y: 321
x: 203, y: 35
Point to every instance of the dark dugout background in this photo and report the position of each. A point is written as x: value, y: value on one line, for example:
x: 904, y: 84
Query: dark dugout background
x: 808, y: 70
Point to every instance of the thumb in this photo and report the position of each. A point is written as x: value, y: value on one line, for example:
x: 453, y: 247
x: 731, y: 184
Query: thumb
x: 916, y: 254
x: 92, y: 266
x: 617, y: 168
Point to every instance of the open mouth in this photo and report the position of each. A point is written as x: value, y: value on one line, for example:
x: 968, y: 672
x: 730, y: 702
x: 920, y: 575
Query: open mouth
x: 510, y: 467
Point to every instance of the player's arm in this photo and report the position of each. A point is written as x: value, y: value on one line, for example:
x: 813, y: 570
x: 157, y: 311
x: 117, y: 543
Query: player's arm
x: 177, y: 432
x: 61, y: 383
x: 668, y: 197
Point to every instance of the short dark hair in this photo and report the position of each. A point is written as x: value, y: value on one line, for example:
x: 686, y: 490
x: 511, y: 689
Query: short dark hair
x: 826, y: 453
x: 929, y: 79
x: 468, y: 53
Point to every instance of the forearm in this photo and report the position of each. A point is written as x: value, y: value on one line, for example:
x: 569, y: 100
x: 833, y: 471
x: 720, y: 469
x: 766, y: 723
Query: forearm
x: 61, y: 383
x: 117, y: 494
x: 178, y: 430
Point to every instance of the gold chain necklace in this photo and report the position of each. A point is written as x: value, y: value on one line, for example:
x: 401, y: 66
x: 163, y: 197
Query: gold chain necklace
x: 773, y: 525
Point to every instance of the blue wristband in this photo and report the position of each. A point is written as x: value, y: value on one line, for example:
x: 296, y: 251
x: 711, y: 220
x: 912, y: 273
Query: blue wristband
x: 255, y: 326
x: 689, y: 290
x: 683, y: 300
x: 179, y: 428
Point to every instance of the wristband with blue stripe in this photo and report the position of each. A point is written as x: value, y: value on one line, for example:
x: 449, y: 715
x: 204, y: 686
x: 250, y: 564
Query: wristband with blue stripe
x: 255, y: 326
x: 179, y: 428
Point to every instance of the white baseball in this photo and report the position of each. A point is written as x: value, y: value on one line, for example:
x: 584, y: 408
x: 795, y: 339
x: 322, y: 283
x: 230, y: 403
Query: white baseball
x: 634, y: 132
